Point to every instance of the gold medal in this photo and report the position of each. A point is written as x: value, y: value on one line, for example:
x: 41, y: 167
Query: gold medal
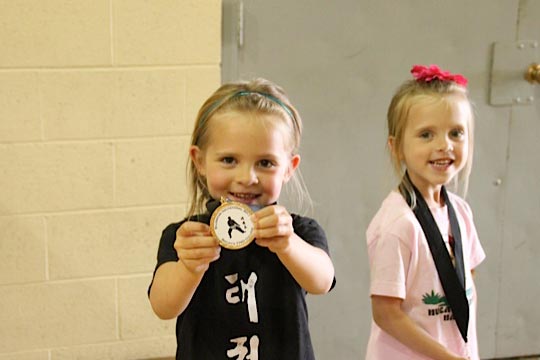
x: 231, y: 224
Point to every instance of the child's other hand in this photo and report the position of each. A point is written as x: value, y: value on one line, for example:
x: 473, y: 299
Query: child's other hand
x: 273, y: 228
x: 196, y: 247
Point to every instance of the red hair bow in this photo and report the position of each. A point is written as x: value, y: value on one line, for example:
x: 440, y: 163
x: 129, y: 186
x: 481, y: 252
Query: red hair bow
x: 427, y: 74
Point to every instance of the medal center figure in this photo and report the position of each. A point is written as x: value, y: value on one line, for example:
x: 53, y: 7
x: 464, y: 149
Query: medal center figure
x: 235, y: 274
x: 231, y: 224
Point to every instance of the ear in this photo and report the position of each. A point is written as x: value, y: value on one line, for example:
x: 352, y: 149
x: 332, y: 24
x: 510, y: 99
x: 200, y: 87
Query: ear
x: 293, y: 164
x: 197, y: 157
x: 392, y: 146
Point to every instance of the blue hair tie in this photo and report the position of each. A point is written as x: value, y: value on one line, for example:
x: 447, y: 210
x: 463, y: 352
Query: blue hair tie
x: 269, y: 97
x: 220, y: 102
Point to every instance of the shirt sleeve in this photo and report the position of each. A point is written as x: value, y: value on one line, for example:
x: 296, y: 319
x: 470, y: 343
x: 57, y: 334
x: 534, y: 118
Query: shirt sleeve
x: 389, y: 261
x: 310, y: 231
x: 166, y: 251
x: 476, y: 252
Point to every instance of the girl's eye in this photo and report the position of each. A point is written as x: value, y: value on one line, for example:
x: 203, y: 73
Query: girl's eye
x: 266, y: 164
x: 425, y: 135
x: 228, y: 160
x: 457, y: 133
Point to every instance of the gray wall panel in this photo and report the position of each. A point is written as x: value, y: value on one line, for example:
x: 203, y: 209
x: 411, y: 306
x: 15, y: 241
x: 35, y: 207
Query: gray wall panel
x: 340, y: 62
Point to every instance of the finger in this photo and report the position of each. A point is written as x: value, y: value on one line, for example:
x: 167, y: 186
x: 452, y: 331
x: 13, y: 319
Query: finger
x: 268, y: 211
x: 266, y: 221
x: 195, y: 242
x: 203, y: 254
x: 277, y: 225
x: 273, y: 244
x: 190, y: 228
x: 271, y: 217
x: 265, y: 211
x: 261, y: 242
x: 193, y: 235
x: 274, y: 231
x: 198, y: 265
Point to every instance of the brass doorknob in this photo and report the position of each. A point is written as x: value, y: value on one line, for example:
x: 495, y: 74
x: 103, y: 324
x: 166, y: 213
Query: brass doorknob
x: 533, y: 74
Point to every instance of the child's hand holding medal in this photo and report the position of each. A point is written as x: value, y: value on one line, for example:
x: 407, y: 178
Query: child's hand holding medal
x: 195, y: 246
x: 232, y: 225
x: 274, y: 228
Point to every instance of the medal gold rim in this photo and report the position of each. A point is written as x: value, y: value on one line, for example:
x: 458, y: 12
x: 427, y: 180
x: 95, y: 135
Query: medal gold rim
x: 226, y: 244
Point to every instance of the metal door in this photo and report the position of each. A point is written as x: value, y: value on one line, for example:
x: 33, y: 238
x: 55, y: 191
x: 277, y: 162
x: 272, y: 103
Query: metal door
x: 340, y: 62
x: 517, y: 325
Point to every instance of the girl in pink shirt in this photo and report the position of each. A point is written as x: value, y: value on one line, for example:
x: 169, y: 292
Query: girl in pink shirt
x: 422, y: 243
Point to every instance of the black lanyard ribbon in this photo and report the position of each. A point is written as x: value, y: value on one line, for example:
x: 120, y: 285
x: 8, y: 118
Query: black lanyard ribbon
x: 452, y: 279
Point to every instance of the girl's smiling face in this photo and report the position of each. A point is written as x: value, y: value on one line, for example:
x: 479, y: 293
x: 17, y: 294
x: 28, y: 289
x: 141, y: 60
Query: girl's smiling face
x: 247, y: 158
x: 435, y: 144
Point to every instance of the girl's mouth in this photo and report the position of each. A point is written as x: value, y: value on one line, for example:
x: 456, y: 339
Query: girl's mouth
x: 244, y: 197
x: 442, y: 163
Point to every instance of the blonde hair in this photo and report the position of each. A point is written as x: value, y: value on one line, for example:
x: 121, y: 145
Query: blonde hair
x: 258, y: 96
x: 412, y: 93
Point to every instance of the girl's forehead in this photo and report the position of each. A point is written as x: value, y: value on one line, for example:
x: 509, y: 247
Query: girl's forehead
x: 231, y: 117
x: 246, y: 116
x: 433, y: 109
x: 250, y: 122
x: 235, y: 126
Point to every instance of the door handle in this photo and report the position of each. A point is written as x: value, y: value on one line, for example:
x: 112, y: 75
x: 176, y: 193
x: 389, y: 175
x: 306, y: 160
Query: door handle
x: 533, y: 73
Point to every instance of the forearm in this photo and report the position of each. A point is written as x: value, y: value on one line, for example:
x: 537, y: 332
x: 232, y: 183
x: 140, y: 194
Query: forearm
x: 310, y: 266
x: 400, y: 326
x: 172, y: 289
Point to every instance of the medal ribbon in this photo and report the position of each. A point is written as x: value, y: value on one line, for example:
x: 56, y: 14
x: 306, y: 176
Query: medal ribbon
x: 452, y: 279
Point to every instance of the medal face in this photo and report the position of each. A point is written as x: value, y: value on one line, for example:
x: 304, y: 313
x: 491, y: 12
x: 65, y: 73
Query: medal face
x: 232, y: 226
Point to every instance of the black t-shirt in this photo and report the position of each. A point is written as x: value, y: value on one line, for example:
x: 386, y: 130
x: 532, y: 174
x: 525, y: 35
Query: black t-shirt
x: 247, y: 306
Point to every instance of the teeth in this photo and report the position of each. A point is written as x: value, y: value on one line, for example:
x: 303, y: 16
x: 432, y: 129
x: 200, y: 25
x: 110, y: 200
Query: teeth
x: 244, y: 196
x: 441, y: 162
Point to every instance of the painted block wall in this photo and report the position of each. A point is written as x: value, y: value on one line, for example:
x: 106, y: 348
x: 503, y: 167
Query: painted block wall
x: 97, y: 101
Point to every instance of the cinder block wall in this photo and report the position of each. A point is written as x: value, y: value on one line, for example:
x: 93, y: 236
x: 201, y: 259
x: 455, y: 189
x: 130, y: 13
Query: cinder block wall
x: 97, y: 101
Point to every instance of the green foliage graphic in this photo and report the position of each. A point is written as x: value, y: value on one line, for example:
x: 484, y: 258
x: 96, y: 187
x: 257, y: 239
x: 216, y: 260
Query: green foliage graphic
x: 434, y: 299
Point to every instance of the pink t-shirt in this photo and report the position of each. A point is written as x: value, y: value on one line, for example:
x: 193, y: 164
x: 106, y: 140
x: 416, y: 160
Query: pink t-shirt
x: 402, y: 266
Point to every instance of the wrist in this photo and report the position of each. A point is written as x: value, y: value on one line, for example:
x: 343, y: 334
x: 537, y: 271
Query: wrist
x: 188, y: 273
x: 288, y: 245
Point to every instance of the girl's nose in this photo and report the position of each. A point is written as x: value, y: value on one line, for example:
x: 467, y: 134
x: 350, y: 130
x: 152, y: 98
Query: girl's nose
x: 444, y: 144
x: 247, y: 175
